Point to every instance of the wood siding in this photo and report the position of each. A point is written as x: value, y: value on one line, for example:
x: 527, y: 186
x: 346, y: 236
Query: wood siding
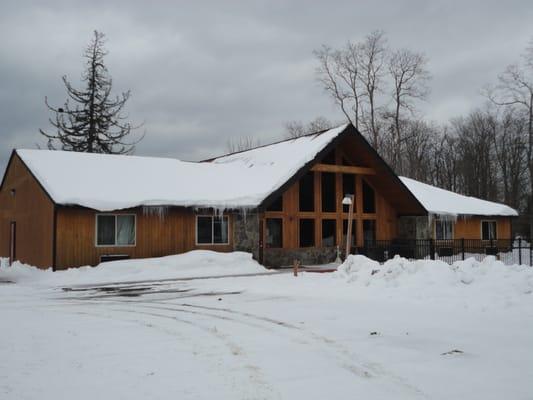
x: 32, y: 210
x: 156, y: 236
x: 470, y: 228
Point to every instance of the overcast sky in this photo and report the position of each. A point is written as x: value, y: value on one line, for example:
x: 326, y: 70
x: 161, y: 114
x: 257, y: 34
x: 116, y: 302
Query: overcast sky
x: 205, y: 72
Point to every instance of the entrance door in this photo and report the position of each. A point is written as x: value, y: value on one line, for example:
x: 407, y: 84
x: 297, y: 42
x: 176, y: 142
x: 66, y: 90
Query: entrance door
x: 12, y: 242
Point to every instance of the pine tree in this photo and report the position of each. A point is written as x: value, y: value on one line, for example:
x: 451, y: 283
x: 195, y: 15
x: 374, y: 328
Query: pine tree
x: 94, y: 124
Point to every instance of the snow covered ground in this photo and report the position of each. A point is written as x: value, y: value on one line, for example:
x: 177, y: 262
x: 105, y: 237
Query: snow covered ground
x: 402, y: 330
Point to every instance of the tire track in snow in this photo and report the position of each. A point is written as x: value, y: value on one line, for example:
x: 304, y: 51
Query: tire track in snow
x: 260, y: 389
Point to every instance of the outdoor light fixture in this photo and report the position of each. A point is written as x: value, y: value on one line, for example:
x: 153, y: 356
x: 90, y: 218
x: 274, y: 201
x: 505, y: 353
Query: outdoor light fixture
x: 13, y: 191
x: 348, y: 201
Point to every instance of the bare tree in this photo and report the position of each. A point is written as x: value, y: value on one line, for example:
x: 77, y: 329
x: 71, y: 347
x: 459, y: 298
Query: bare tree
x: 409, y: 76
x: 372, y: 65
x: 95, y: 124
x: 338, y: 71
x: 515, y: 89
x: 296, y: 129
x: 242, y: 144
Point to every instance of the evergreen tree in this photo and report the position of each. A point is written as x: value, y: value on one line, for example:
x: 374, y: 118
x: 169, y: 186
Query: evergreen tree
x: 94, y: 123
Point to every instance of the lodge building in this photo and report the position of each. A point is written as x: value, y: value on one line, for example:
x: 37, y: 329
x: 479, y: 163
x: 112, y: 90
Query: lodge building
x: 281, y: 202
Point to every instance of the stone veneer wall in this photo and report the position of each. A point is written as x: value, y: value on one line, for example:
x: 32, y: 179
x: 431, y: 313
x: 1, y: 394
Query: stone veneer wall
x: 307, y: 256
x: 246, y: 232
x: 413, y: 228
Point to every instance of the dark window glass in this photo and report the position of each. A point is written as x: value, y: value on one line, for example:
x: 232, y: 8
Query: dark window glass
x: 329, y: 192
x: 345, y: 232
x: 346, y: 162
x: 329, y: 232
x: 105, y: 230
x: 369, y: 200
x: 443, y: 229
x: 274, y: 232
x: 220, y: 230
x: 276, y: 205
x: 307, y: 232
x: 204, y: 230
x: 369, y: 231
x: 330, y: 158
x: 307, y: 192
x: 488, y: 230
x: 125, y: 230
x: 348, y: 187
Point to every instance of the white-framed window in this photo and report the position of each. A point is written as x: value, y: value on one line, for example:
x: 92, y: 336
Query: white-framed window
x: 116, y: 230
x: 212, y: 229
x: 488, y: 230
x: 443, y: 229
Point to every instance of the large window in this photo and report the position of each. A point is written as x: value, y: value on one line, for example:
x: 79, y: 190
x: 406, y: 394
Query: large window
x: 329, y: 232
x: 115, y: 230
x: 307, y: 232
x: 329, y: 192
x: 274, y: 232
x: 276, y: 205
x: 488, y: 230
x: 443, y: 229
x: 212, y: 230
x: 369, y: 199
x: 307, y: 192
x: 369, y: 232
x: 348, y: 188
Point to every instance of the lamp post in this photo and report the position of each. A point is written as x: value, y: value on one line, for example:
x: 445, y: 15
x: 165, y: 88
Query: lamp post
x: 348, y: 201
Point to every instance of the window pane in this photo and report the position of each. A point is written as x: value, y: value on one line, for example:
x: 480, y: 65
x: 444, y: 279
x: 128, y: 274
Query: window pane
x: 329, y: 192
x: 443, y: 229
x: 329, y: 158
x: 329, y: 231
x: 488, y: 230
x: 348, y: 187
x: 125, y: 229
x: 345, y: 232
x: 369, y: 231
x: 204, y: 230
x: 274, y: 232
x: 276, y: 205
x: 307, y: 232
x: 220, y: 229
x: 307, y: 192
x: 105, y: 230
x: 369, y: 201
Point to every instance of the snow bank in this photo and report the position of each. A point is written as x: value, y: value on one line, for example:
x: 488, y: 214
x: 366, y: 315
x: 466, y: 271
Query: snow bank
x: 487, y: 275
x: 197, y: 263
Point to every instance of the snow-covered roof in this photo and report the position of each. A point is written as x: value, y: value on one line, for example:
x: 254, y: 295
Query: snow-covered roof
x: 111, y: 182
x: 442, y: 202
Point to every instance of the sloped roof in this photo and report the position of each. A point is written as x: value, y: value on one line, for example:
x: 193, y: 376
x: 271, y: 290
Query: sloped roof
x: 111, y: 182
x: 445, y: 203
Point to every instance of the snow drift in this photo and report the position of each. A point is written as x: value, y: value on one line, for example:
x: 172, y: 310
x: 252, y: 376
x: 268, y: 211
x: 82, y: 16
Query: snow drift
x: 197, y: 263
x: 488, y: 275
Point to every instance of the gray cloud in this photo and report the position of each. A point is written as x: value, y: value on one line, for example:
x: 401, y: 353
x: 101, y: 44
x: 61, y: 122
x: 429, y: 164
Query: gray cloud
x: 203, y: 73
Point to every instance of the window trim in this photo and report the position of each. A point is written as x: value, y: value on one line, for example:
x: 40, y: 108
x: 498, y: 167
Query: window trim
x: 435, y: 229
x: 495, y: 229
x: 212, y: 230
x: 116, y: 230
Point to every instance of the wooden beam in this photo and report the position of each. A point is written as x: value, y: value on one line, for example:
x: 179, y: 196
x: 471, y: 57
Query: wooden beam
x: 343, y: 169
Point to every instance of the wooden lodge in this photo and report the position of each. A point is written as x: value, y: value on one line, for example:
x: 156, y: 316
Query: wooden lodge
x: 281, y: 202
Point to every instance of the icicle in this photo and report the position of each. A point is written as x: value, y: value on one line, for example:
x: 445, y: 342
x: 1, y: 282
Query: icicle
x: 159, y: 211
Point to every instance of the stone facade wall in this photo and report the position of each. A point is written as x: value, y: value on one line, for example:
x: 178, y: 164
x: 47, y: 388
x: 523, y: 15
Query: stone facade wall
x: 307, y: 256
x: 413, y: 228
x: 246, y: 233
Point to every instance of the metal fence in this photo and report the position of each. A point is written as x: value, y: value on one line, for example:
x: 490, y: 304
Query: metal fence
x: 509, y: 251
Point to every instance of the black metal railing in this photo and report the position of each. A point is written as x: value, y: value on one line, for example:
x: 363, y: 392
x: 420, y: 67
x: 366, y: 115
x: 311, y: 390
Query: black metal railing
x: 509, y: 251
